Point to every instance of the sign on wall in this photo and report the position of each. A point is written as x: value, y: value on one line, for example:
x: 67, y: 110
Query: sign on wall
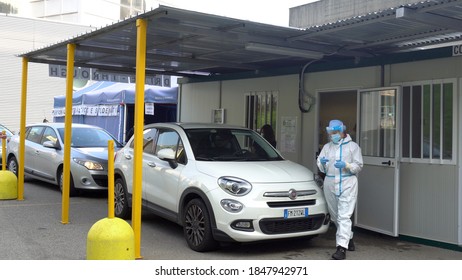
x: 457, y: 50
x: 97, y: 75
x: 288, y: 134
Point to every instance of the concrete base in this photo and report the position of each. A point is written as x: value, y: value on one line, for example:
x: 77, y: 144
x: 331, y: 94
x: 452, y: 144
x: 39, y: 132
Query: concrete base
x: 8, y: 185
x: 111, y: 239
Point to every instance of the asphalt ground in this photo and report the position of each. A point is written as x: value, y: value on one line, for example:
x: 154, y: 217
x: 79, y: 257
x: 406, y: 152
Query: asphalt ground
x: 31, y: 229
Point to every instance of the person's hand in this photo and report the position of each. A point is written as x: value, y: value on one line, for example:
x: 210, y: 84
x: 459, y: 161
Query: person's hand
x: 323, y: 160
x: 340, y: 164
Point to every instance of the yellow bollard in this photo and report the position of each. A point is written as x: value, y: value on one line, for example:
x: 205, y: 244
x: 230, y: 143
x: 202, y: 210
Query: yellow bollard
x: 8, y: 185
x: 8, y: 180
x: 111, y: 238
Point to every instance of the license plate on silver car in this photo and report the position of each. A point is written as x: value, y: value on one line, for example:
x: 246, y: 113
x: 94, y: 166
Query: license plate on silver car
x: 295, y: 213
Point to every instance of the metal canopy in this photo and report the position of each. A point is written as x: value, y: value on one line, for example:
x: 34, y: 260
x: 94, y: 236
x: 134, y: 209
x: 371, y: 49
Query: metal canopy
x: 187, y: 43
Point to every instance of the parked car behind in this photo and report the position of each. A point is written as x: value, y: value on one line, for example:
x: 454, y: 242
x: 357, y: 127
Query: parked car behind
x: 44, y: 153
x: 221, y: 183
x: 8, y: 133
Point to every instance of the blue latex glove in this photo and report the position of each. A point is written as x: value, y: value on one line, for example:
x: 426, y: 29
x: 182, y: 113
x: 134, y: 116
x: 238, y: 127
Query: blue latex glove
x: 340, y: 164
x: 323, y: 160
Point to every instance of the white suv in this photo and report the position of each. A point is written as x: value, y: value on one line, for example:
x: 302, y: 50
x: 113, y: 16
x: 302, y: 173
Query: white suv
x: 221, y: 183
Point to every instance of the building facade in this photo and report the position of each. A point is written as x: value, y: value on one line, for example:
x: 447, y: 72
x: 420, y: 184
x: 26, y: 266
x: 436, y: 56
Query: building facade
x: 19, y: 35
x: 404, y: 111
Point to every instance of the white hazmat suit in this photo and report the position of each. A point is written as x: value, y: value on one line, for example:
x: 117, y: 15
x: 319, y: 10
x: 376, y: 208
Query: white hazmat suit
x: 341, y: 184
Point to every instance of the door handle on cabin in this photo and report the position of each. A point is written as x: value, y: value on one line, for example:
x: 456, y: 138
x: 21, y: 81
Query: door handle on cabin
x: 386, y: 162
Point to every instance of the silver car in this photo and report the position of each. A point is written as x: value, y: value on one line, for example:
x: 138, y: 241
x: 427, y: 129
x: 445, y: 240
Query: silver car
x: 44, y: 155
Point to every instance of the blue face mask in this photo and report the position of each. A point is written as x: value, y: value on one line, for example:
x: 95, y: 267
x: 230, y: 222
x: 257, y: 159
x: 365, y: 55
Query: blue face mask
x: 335, y: 138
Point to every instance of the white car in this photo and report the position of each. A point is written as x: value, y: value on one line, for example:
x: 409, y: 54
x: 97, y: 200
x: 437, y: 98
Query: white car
x: 221, y: 183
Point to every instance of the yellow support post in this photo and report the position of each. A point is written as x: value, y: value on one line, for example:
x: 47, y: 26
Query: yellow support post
x: 3, y: 139
x: 141, y: 25
x: 22, y: 128
x: 110, y: 179
x: 67, y: 134
x: 110, y: 238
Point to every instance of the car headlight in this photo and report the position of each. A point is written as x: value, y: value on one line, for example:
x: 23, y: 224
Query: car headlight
x: 234, y: 186
x: 231, y: 205
x: 90, y: 165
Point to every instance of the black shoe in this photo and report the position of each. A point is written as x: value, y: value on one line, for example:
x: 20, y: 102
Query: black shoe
x: 351, y: 245
x: 340, y: 254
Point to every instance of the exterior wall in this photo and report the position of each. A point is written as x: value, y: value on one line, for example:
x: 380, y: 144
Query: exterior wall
x: 19, y: 35
x: 429, y: 203
x: 199, y: 99
x: 75, y: 11
x: 328, y: 11
x: 95, y: 13
x: 196, y: 101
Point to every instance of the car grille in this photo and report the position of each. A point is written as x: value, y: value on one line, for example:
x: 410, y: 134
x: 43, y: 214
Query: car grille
x: 281, y: 225
x: 291, y: 203
x: 100, y: 180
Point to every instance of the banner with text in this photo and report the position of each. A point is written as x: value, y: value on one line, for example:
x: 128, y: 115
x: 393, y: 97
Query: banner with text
x: 89, y: 110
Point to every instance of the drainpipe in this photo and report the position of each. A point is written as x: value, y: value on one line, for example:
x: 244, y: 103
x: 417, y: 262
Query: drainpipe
x: 382, y: 75
x: 304, y: 98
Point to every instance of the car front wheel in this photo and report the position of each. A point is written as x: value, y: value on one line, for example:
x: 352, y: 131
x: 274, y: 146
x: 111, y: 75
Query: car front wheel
x: 121, y: 208
x: 13, y: 165
x: 197, y: 227
x: 72, y: 190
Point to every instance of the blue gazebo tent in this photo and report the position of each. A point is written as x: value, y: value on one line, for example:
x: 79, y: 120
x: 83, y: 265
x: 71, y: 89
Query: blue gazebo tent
x: 111, y: 105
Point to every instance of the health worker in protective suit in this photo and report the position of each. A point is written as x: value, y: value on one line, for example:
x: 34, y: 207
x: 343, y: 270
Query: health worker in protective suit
x: 341, y: 160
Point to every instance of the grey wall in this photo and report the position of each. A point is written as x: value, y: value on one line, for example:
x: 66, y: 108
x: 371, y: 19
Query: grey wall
x: 19, y: 35
x: 329, y: 11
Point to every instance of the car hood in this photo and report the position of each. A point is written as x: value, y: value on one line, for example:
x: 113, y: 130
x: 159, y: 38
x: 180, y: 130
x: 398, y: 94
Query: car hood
x: 90, y: 153
x: 257, y: 171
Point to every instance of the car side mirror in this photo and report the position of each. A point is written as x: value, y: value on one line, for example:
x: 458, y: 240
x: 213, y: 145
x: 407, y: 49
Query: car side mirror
x: 169, y: 156
x: 50, y: 144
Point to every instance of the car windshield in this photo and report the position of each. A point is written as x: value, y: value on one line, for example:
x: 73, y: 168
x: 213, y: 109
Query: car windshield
x: 89, y: 137
x: 8, y: 132
x: 230, y: 145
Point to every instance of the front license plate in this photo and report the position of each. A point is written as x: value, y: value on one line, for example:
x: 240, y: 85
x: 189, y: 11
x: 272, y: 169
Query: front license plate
x: 295, y: 213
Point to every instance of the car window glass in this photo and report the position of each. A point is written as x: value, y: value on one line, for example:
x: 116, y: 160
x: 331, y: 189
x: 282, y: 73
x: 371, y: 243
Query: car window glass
x: 88, y: 137
x: 7, y: 131
x: 149, y: 136
x: 35, y: 134
x: 168, y: 139
x: 230, y: 145
x: 49, y: 135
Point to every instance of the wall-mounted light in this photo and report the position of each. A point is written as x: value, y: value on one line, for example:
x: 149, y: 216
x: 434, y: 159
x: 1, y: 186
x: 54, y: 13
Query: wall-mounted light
x: 283, y: 50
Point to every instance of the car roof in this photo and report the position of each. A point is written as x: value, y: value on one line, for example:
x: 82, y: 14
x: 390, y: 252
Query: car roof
x: 195, y: 125
x: 61, y: 125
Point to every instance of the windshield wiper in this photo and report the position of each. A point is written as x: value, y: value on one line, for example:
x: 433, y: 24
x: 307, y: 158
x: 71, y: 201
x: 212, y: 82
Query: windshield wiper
x: 205, y: 158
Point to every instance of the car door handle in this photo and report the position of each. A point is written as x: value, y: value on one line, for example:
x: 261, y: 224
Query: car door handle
x: 37, y: 152
x: 151, y: 164
x: 386, y: 162
x: 127, y: 156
